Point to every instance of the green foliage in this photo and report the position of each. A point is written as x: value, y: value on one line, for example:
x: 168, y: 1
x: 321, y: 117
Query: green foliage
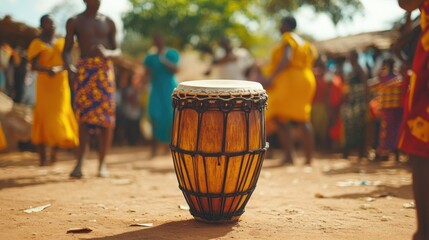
x: 196, y: 22
x: 337, y: 10
x: 200, y: 23
x: 135, y: 45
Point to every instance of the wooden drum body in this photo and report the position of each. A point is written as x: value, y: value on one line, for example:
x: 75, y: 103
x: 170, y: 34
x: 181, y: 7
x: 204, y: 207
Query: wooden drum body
x: 218, y: 145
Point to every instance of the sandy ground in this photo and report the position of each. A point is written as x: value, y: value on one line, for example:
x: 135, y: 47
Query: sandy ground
x: 335, y: 199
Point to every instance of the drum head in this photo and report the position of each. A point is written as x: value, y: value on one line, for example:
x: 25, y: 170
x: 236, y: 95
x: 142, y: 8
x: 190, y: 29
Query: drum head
x: 220, y: 87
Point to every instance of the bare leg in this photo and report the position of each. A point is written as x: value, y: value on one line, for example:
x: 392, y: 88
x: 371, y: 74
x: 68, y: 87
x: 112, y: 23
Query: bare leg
x: 362, y: 151
x: 346, y: 151
x: 105, y: 142
x: 154, y: 148
x: 285, y: 139
x: 166, y: 149
x: 41, y: 149
x: 83, y: 143
x: 271, y: 132
x: 154, y: 143
x: 397, y: 155
x: 420, y: 167
x: 307, y: 140
x: 53, y: 157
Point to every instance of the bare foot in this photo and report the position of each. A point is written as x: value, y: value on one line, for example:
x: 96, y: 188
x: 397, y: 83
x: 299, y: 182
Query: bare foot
x: 102, y: 171
x: 167, y: 150
x: 77, y: 172
x: 268, y: 154
x: 53, y: 159
x: 287, y: 161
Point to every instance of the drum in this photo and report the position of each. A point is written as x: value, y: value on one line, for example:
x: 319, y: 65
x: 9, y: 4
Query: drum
x: 218, y: 145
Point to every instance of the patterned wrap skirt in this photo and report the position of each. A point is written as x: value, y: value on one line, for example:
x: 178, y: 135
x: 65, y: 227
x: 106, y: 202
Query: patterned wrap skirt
x: 94, y: 93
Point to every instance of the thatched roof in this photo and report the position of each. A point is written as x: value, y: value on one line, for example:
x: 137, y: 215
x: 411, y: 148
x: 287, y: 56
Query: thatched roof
x: 20, y: 34
x: 343, y: 45
x: 16, y: 33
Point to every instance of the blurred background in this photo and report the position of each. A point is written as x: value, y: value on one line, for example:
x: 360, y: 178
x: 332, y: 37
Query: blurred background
x: 194, y: 27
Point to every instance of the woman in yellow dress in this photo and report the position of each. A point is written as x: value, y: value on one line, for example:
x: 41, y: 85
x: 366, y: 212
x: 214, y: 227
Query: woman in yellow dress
x: 54, y: 122
x: 291, y: 85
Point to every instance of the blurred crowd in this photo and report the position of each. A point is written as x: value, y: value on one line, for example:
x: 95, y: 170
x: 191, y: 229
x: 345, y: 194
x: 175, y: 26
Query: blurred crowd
x: 356, y: 109
x: 16, y: 78
x: 358, y: 103
x: 18, y: 84
x: 348, y: 109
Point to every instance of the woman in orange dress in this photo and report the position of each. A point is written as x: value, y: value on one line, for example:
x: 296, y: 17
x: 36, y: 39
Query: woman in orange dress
x: 291, y: 85
x: 54, y: 122
x: 414, y: 135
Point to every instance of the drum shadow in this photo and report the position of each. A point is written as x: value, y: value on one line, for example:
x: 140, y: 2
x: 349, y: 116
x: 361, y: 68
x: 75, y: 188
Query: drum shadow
x: 29, y: 181
x: 382, y: 191
x: 185, y: 229
x: 368, y: 168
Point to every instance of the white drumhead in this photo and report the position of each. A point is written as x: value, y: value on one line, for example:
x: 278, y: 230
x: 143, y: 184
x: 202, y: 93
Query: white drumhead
x: 220, y: 87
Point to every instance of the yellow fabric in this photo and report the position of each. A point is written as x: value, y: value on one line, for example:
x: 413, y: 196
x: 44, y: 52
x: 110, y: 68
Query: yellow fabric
x: 424, y: 18
x: 292, y: 91
x: 54, y: 122
x: 3, y: 143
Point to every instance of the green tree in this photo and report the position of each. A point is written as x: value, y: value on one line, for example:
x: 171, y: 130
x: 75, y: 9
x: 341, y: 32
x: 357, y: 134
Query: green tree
x: 196, y: 22
x: 200, y: 23
x: 337, y: 10
x: 135, y: 45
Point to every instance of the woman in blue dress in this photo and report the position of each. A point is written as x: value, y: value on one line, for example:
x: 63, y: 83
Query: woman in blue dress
x: 161, y: 68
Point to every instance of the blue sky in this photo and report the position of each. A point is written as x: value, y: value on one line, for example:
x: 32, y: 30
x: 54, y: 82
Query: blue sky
x: 378, y: 15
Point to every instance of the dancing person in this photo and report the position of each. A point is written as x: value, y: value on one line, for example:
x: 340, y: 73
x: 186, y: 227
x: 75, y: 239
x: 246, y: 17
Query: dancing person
x: 290, y: 84
x: 320, y: 105
x: 414, y: 136
x: 19, y: 73
x: 389, y: 93
x: 54, y: 123
x: 353, y: 109
x: 230, y: 62
x: 92, y: 80
x: 161, y: 67
x: 132, y: 110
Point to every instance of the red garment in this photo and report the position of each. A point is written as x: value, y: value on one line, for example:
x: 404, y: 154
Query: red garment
x: 336, y: 91
x: 321, y: 88
x: 414, y: 138
x: 335, y: 99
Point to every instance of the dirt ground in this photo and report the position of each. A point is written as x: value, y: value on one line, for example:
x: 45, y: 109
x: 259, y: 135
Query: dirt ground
x: 335, y: 199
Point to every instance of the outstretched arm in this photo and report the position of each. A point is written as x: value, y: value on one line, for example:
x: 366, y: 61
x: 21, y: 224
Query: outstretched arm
x: 68, y: 46
x: 113, y: 51
x: 287, y: 55
x: 410, y: 30
x: 172, y: 67
x: 410, y: 5
x: 35, y: 66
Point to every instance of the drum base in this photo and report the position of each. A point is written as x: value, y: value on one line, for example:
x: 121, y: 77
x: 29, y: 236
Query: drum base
x: 221, y: 221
